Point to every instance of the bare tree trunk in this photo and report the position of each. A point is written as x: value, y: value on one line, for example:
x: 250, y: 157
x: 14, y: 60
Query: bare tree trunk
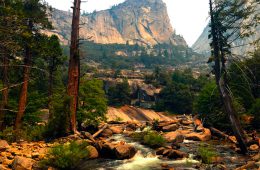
x: 74, y: 66
x: 5, y: 80
x: 24, y: 89
x: 221, y: 82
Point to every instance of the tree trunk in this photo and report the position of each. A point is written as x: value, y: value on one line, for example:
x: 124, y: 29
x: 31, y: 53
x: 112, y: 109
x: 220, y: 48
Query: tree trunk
x: 221, y: 81
x: 50, y: 88
x: 24, y: 89
x: 5, y: 80
x: 74, y: 66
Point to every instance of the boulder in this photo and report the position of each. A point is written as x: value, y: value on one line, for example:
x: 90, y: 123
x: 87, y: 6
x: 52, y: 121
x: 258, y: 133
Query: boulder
x: 4, y: 145
x: 21, y: 163
x: 254, y: 147
x: 106, y: 133
x: 175, y: 154
x: 170, y: 128
x: 186, y: 122
x: 116, y: 129
x: 2, y: 167
x: 87, y: 135
x: 125, y: 151
x: 93, y: 153
x: 205, y: 136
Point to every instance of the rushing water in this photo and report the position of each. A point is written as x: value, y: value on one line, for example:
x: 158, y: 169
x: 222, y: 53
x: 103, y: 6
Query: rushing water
x: 145, y: 159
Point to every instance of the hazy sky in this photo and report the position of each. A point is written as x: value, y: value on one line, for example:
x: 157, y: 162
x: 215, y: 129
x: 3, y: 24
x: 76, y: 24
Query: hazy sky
x: 188, y: 17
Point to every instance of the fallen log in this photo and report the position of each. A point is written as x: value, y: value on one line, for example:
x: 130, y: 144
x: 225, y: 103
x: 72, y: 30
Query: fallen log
x: 249, y: 165
x: 100, y: 131
x: 222, y: 134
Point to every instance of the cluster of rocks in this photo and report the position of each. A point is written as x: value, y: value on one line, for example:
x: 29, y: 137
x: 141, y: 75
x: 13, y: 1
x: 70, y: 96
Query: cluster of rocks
x: 22, y: 155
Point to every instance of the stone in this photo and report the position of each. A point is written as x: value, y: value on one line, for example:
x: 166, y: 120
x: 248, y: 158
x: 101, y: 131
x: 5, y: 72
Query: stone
x: 87, y: 135
x: 125, y: 151
x: 2, y: 167
x: 93, y: 153
x: 4, y: 145
x: 106, y: 133
x: 254, y: 147
x: 205, y: 136
x: 175, y: 154
x: 21, y: 163
x: 170, y: 128
x: 186, y: 122
x: 116, y: 129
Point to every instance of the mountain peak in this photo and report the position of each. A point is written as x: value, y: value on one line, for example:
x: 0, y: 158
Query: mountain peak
x: 134, y: 21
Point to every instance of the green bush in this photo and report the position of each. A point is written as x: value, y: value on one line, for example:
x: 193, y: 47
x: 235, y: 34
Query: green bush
x: 150, y: 138
x: 206, y: 153
x: 34, y: 133
x: 255, y: 110
x: 66, y: 156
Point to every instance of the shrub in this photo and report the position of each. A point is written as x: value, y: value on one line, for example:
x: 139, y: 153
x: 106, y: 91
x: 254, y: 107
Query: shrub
x: 150, y: 138
x: 34, y: 133
x: 255, y: 110
x: 66, y: 156
x: 206, y: 153
x: 154, y: 139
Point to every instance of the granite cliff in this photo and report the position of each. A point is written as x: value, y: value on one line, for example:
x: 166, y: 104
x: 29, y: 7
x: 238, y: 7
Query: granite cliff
x: 144, y: 22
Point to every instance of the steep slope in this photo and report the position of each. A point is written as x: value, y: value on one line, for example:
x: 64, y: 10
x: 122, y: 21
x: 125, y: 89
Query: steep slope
x: 240, y: 46
x: 134, y: 21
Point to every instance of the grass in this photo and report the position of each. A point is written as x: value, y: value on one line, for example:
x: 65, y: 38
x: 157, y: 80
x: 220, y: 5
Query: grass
x: 207, y: 153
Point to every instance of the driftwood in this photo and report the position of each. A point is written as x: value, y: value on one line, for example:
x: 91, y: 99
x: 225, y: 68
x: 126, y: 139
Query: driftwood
x: 249, y: 165
x: 222, y: 134
x: 100, y: 131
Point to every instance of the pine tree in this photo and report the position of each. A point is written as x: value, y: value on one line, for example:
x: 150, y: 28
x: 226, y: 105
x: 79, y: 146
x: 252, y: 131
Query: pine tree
x: 229, y: 21
x: 35, y: 17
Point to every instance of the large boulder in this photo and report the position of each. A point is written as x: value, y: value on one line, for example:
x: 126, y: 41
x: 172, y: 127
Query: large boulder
x: 119, y: 150
x: 125, y: 151
x: 205, y: 136
x: 3, y: 145
x: 116, y: 129
x: 93, y: 153
x: 21, y: 163
x: 170, y: 128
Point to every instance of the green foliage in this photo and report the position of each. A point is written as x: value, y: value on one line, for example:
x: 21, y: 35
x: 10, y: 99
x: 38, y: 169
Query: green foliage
x: 150, y: 138
x: 105, y: 55
x: 208, y: 104
x: 28, y: 133
x: 119, y: 94
x: 255, y: 110
x: 206, y: 153
x: 179, y: 93
x: 66, y: 156
x: 58, y: 123
x: 93, y: 103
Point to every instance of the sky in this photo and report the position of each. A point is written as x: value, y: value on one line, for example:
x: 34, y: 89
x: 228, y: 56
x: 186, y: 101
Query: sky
x: 188, y: 17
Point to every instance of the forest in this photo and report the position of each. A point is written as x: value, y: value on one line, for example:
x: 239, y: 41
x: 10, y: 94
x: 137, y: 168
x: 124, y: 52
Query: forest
x: 58, y: 112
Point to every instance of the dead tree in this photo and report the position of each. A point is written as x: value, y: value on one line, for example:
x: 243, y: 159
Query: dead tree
x: 74, y: 66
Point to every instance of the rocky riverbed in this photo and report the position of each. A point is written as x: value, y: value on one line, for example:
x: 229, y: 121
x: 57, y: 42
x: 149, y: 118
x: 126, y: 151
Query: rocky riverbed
x: 114, y: 148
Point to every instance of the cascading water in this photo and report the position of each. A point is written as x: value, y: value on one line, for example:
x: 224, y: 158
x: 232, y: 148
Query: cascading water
x: 145, y: 159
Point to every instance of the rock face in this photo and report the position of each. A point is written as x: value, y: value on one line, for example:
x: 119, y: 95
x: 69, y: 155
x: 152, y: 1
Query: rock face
x: 3, y: 145
x: 134, y: 21
x: 242, y: 45
x: 21, y: 163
